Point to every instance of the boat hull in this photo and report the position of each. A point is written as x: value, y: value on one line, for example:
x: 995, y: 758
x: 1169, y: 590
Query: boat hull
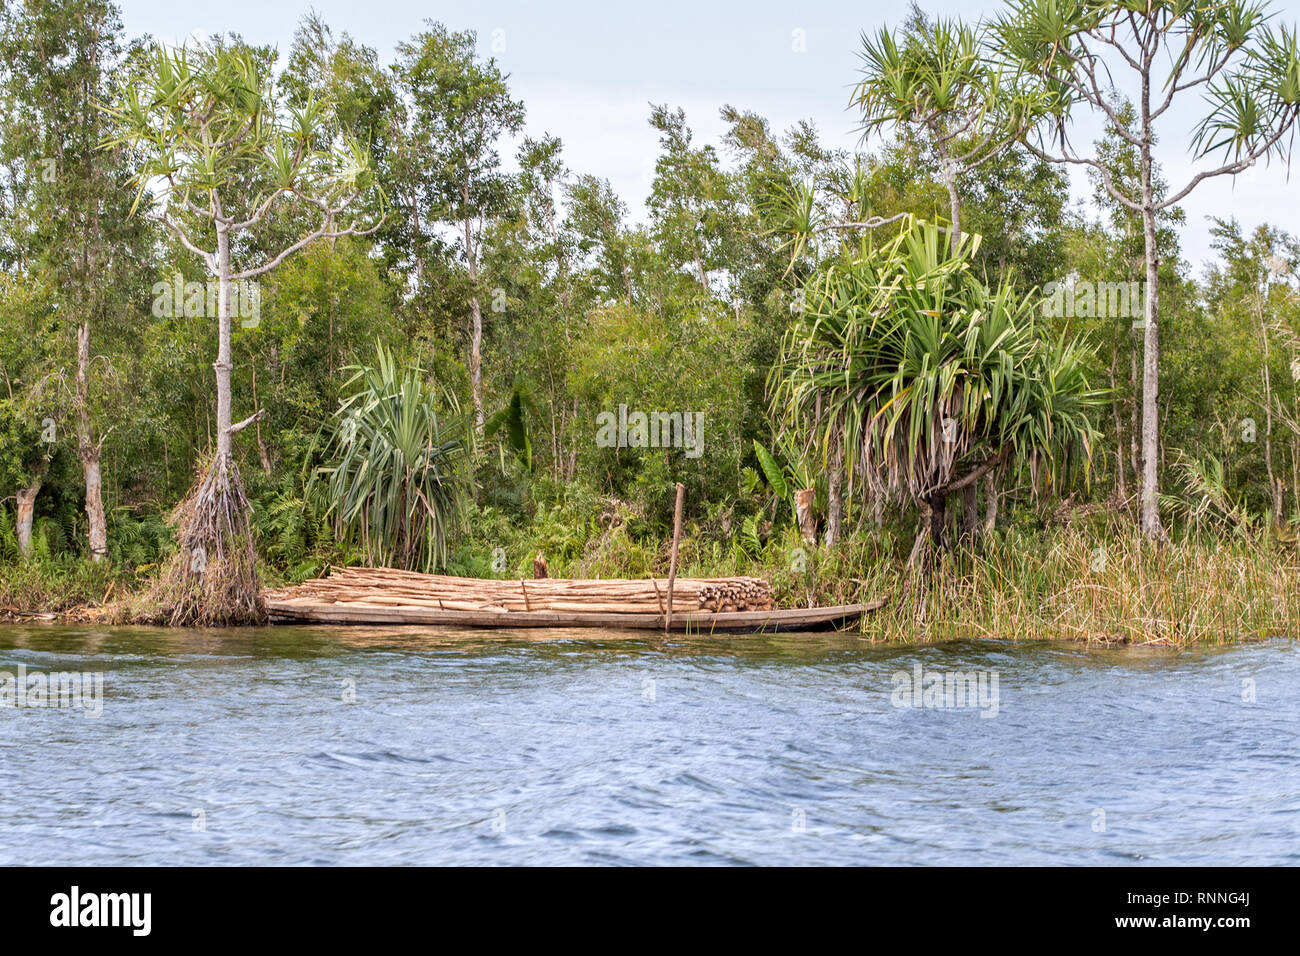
x: 784, y: 619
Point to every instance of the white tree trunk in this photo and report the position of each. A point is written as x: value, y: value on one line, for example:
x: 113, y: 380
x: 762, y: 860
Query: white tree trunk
x: 954, y: 205
x: 476, y: 316
x: 1150, y: 501
x: 88, y: 452
x: 1150, y: 511
x: 223, y: 364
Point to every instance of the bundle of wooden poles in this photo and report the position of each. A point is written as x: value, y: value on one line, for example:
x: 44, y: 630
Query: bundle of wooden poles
x: 734, y: 594
x: 390, y: 587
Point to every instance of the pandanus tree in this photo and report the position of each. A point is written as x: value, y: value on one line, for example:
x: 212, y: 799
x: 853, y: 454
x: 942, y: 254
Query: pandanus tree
x: 938, y: 82
x: 928, y: 378
x: 1157, y: 54
x: 396, y: 484
x: 220, y: 157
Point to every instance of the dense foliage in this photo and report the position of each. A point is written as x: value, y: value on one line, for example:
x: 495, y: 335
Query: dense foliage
x: 779, y: 320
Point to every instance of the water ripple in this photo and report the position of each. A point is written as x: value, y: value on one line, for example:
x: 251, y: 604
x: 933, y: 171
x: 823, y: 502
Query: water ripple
x: 311, y: 746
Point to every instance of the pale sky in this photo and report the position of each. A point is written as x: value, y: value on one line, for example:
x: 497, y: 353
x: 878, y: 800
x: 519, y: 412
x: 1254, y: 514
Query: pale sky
x: 587, y: 72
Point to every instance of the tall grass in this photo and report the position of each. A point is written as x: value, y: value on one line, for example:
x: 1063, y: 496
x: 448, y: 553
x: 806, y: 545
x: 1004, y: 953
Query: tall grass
x: 1072, y: 585
x: 57, y: 577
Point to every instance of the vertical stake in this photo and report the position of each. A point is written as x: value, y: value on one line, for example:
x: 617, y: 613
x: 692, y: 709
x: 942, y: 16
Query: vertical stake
x: 672, y: 561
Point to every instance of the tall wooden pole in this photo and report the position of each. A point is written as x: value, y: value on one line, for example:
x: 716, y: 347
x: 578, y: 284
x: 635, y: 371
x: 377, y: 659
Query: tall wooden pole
x: 672, y: 561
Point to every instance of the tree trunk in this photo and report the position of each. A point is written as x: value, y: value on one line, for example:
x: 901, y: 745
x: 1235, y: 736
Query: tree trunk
x: 573, y: 451
x: 938, y: 515
x: 970, y: 514
x: 1151, y: 526
x: 212, y: 578
x: 929, y: 539
x: 948, y: 167
x: 475, y: 317
x: 26, y: 508
x: 1150, y: 505
x: 223, y: 364
x: 88, y: 451
x: 970, y: 510
x: 476, y: 359
x: 835, y: 498
x: 991, y: 496
x: 418, y: 246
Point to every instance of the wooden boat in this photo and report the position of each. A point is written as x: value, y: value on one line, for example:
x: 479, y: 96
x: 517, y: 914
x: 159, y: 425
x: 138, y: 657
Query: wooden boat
x: 387, y: 596
x: 303, y: 611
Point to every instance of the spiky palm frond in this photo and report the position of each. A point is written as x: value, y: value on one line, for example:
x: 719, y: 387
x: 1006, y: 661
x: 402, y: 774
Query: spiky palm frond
x: 1207, y: 497
x: 396, y: 485
x: 921, y: 373
x: 945, y: 78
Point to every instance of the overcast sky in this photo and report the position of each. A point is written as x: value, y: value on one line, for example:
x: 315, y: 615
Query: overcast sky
x: 587, y: 70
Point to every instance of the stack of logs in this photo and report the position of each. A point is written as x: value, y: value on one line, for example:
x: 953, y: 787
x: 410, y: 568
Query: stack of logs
x: 389, y: 587
x: 735, y: 594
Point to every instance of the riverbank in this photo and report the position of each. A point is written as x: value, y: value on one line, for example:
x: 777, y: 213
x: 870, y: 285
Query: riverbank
x: 1067, y: 585
x: 65, y: 590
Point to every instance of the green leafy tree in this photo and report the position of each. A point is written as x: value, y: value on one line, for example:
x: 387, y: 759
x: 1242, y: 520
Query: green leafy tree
x: 460, y: 107
x: 29, y: 430
x: 597, y: 218
x: 692, y: 204
x: 58, y: 57
x: 1251, y: 294
x: 533, y: 263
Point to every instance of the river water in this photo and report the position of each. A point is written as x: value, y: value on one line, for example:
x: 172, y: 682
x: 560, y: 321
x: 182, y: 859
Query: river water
x: 404, y: 746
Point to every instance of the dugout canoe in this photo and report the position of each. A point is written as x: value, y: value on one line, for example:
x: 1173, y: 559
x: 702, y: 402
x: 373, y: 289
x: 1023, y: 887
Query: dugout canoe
x: 357, y: 595
x: 284, y: 610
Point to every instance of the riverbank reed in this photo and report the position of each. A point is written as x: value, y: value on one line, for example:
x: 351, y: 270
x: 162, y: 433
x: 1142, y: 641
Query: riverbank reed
x: 1071, y: 585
